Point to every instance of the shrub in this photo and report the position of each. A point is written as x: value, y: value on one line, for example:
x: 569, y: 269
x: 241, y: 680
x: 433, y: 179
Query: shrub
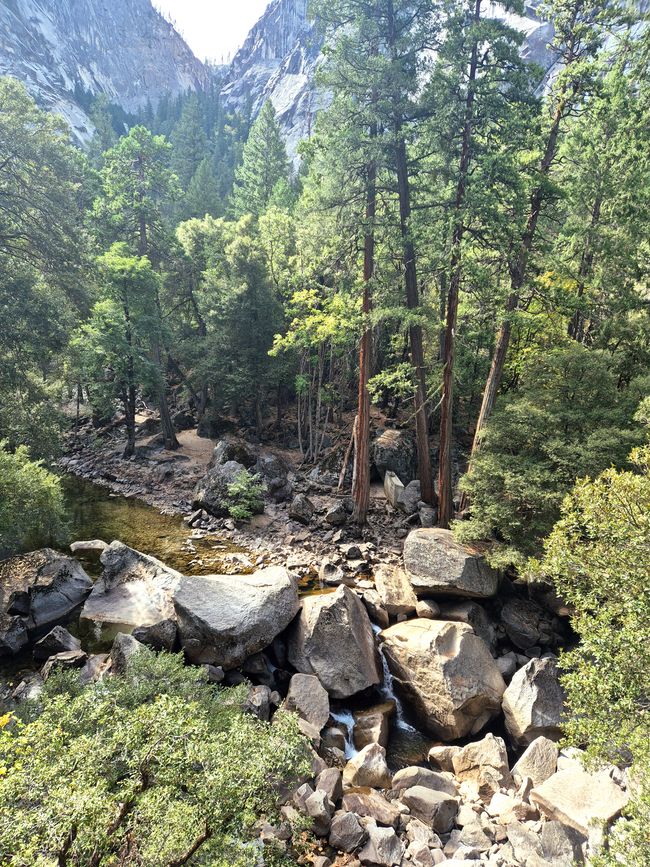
x: 155, y: 768
x: 31, y: 501
x: 245, y: 496
x: 598, y: 557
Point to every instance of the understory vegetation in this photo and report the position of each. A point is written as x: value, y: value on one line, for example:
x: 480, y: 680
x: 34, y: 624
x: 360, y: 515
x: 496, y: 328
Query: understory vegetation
x: 156, y: 768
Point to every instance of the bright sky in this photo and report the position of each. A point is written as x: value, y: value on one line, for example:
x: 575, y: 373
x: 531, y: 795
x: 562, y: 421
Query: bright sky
x: 214, y: 29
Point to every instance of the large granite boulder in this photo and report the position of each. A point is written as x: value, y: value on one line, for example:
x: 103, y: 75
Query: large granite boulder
x: 446, y: 675
x: 135, y: 590
x: 394, y: 451
x: 437, y: 564
x: 211, y: 493
x: 538, y: 763
x: 395, y: 591
x: 233, y: 449
x: 483, y: 765
x: 333, y: 639
x: 577, y: 798
x: 308, y: 699
x: 223, y: 619
x: 37, y: 590
x: 533, y: 702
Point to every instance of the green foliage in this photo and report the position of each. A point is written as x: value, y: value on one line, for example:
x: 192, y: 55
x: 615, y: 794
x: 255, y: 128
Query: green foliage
x: 597, y: 556
x: 566, y: 420
x: 245, y: 495
x: 264, y: 167
x: 31, y: 502
x: 141, y: 769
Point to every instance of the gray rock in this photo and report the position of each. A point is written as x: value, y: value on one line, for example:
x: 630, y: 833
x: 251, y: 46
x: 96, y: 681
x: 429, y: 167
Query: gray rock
x: 408, y: 499
x: 94, y: 668
x: 258, y: 702
x: 319, y: 807
x: 307, y: 697
x: 394, y: 451
x: 159, y: 636
x: 538, y: 763
x: 507, y: 665
x: 211, y: 493
x: 442, y: 757
x: 522, y: 620
x: 436, y: 809
x: 561, y: 845
x: 346, y: 834
x: 65, y: 659
x: 484, y: 764
x: 406, y: 778
x: 393, y: 488
x: 223, y: 619
x: 383, y: 848
x: 427, y: 609
x: 474, y: 615
x: 533, y: 703
x: 368, y: 768
x: 134, y: 590
x: 524, y: 842
x: 329, y: 573
x: 437, y: 564
x: 123, y: 649
x: 336, y: 515
x: 57, y: 640
x: 372, y: 725
x: 233, y: 449
x: 301, y: 509
x: 375, y: 608
x: 445, y: 674
x: 578, y: 798
x: 372, y: 805
x: 395, y: 591
x: 28, y: 689
x: 330, y: 782
x: 37, y: 590
x: 90, y: 546
x: 333, y: 639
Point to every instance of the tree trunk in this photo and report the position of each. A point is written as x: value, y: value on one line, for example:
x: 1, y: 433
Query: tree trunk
x: 415, y: 331
x: 361, y: 487
x: 445, y: 485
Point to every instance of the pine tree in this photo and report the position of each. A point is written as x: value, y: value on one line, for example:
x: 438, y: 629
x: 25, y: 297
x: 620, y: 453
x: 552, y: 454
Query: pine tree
x: 264, y: 165
x: 202, y: 196
x: 189, y: 142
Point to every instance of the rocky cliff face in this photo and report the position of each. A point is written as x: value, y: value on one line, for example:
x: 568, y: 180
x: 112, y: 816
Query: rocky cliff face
x: 123, y: 48
x: 280, y: 56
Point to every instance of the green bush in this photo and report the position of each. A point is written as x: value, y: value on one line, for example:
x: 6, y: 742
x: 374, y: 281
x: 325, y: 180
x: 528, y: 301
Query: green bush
x: 245, y: 496
x: 155, y: 768
x: 567, y: 420
x: 598, y: 557
x: 31, y: 501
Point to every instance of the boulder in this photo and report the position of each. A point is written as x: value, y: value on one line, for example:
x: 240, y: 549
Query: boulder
x: 123, y: 649
x: 445, y: 674
x: 427, y: 609
x: 561, y: 845
x: 336, y: 515
x: 437, y: 564
x: 393, y: 488
x: 223, y: 619
x: 395, y: 591
x: 94, y: 668
x: 233, y: 449
x: 134, y: 590
x: 577, y: 798
x: 211, y: 492
x: 57, y: 640
x: 65, y: 659
x: 538, y: 763
x: 333, y: 639
x: 346, y: 834
x: 308, y: 699
x: 383, y: 849
x: 436, y: 809
x: 89, y: 546
x: 368, y: 768
x: 329, y: 573
x: 372, y: 805
x: 330, y: 782
x: 394, y: 450
x: 414, y: 775
x: 419, y: 855
x: 409, y: 497
x: 301, y: 509
x: 372, y: 725
x: 159, y: 636
x: 37, y: 590
x: 484, y: 765
x: 276, y: 476
x: 441, y: 756
x: 320, y: 809
x: 522, y: 619
x: 533, y: 702
x: 473, y: 614
x: 375, y: 608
